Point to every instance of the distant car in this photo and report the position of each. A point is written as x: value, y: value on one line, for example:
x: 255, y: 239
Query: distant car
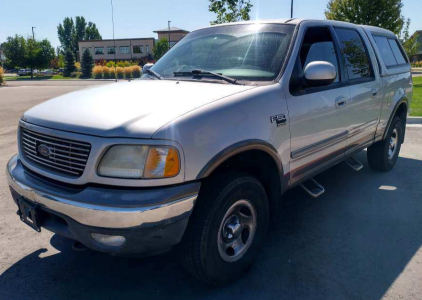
x: 47, y: 72
x: 22, y: 72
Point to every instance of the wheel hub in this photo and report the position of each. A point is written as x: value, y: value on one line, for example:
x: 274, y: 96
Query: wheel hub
x: 392, y: 147
x: 237, y: 231
x: 232, y: 228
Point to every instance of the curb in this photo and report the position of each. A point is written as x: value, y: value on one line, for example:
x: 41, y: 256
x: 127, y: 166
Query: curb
x: 414, y: 120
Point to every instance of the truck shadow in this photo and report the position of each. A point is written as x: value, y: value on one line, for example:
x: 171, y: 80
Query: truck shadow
x: 352, y: 242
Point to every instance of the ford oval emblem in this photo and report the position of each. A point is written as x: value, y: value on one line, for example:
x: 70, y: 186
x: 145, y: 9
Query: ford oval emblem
x: 44, y: 150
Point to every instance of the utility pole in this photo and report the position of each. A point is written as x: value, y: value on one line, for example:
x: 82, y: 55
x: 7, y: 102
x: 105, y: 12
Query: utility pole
x: 33, y: 39
x: 291, y: 11
x: 169, y: 32
x: 114, y: 40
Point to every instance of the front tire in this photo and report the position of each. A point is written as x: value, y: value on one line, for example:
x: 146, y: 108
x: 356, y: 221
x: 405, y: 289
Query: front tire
x: 383, y: 155
x: 226, y: 229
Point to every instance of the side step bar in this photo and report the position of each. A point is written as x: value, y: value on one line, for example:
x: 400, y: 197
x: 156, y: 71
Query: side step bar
x: 354, y: 163
x: 313, y: 188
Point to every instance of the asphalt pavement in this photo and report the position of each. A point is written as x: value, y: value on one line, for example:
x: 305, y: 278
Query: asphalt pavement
x: 362, y: 239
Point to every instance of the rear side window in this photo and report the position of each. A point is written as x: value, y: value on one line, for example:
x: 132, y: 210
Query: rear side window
x: 390, y: 51
x: 354, y: 54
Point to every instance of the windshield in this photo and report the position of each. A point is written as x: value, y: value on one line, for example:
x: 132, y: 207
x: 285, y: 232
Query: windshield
x: 251, y: 52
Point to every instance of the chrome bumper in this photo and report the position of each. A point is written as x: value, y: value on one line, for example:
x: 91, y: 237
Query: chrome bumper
x: 115, y: 217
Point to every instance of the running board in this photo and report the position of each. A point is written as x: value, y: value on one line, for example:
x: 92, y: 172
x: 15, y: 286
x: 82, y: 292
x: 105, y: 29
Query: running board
x: 354, y: 163
x: 313, y: 188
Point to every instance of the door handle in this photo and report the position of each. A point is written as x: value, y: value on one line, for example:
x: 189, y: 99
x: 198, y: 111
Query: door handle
x: 374, y: 92
x: 341, y: 102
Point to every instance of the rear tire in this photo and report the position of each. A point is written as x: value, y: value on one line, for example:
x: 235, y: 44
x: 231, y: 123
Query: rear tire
x: 383, y: 155
x: 226, y: 230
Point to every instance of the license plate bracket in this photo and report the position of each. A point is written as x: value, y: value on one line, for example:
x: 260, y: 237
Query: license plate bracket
x: 28, y: 214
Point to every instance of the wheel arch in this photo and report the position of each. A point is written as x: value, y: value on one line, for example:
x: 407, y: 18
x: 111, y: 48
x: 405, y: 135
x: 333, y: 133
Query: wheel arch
x: 400, y: 110
x: 256, y: 158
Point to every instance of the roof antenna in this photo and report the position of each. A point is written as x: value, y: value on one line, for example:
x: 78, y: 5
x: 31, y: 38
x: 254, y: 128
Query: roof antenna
x: 291, y: 10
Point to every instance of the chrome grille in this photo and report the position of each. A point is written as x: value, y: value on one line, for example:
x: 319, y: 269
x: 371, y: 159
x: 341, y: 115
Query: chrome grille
x: 60, y: 155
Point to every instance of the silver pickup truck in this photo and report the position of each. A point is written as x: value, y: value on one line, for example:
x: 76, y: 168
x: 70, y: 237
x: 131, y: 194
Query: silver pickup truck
x: 198, y: 153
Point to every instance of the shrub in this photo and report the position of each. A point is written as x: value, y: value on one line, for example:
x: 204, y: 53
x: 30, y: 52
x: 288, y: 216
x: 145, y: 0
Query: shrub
x: 120, y: 72
x: 97, y: 71
x: 128, y: 72
x: 110, y: 64
x: 136, y: 71
x: 87, y: 64
x: 75, y: 74
x: 69, y: 67
x: 1, y: 76
x: 106, y: 72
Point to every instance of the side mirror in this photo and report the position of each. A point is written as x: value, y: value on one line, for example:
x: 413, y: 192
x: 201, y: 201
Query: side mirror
x: 319, y: 73
x: 146, y: 67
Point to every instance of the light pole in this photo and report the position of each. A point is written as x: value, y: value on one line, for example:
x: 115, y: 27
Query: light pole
x: 114, y: 40
x: 33, y: 35
x: 169, y: 32
x: 291, y: 11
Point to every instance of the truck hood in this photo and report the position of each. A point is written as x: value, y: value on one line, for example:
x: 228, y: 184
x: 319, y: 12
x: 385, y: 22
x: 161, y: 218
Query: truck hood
x: 128, y: 109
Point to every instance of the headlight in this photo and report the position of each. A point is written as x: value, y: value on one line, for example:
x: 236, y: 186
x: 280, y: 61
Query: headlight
x: 133, y: 161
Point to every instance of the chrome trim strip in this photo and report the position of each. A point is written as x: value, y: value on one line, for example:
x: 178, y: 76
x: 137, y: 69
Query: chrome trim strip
x: 319, y: 145
x: 101, y: 216
x: 361, y: 128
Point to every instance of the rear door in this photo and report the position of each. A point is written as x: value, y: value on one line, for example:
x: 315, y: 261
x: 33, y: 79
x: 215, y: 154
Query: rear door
x: 365, y: 86
x: 316, y: 114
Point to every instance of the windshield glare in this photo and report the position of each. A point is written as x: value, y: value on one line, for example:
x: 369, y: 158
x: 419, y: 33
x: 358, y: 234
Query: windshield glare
x: 251, y: 52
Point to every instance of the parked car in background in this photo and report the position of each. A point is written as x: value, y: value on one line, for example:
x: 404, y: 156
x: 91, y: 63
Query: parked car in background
x: 47, y: 72
x: 198, y: 153
x: 23, y: 72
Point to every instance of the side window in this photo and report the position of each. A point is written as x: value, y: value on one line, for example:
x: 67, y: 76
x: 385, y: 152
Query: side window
x: 390, y: 51
x: 385, y: 50
x: 317, y: 45
x: 396, y: 51
x: 354, y: 54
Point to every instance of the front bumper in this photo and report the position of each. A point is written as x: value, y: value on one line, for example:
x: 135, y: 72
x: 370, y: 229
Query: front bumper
x: 151, y: 220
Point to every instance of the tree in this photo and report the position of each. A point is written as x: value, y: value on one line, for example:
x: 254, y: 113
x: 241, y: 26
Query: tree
x: 66, y: 33
x: 28, y: 53
x: 381, y: 13
x: 230, y: 10
x: 70, y: 33
x: 14, y: 50
x: 69, y: 66
x: 44, y: 55
x: 91, y: 32
x: 410, y: 43
x: 87, y: 64
x: 160, y: 48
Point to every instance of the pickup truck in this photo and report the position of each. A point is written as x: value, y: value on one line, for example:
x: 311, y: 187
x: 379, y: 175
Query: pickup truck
x: 197, y: 154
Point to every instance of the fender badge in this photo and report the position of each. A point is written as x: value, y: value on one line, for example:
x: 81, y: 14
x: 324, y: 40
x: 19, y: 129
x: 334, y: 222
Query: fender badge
x: 279, y: 119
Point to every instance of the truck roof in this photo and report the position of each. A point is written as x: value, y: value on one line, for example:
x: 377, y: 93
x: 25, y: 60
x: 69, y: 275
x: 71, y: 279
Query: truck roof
x: 297, y: 21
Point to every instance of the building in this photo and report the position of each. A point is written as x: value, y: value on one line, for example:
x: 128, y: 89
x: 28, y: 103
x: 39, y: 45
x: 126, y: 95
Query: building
x: 418, y: 56
x: 173, y: 35
x: 119, y: 49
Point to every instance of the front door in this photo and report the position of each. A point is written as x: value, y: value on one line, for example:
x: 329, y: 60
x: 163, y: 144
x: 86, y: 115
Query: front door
x: 364, y: 84
x: 317, y: 127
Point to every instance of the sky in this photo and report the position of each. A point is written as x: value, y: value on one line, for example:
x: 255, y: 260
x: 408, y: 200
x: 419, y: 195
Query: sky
x: 139, y: 18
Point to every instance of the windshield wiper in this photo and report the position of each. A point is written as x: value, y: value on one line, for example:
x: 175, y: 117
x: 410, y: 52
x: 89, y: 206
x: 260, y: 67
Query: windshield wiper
x: 155, y: 74
x: 204, y: 72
